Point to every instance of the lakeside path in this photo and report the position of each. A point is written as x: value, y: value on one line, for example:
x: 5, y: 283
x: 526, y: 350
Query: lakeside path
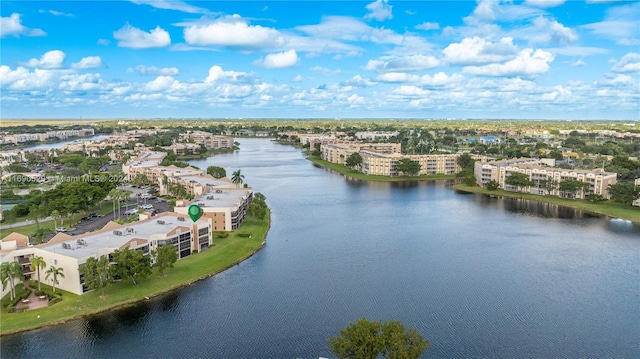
x: 608, y: 208
x: 224, y: 254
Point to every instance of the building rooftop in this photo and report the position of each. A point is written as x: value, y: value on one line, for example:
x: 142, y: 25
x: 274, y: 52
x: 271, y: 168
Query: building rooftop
x: 228, y: 197
x: 90, y: 244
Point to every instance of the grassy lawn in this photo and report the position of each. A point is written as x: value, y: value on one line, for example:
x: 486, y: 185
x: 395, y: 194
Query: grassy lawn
x: 224, y: 254
x: 610, y: 208
x: 355, y: 174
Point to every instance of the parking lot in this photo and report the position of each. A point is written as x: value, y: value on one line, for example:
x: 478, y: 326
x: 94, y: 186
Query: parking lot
x: 91, y: 224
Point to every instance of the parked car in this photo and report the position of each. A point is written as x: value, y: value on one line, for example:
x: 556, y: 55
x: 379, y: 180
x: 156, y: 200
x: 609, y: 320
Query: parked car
x: 61, y: 229
x: 95, y: 215
x: 146, y: 206
x: 130, y: 212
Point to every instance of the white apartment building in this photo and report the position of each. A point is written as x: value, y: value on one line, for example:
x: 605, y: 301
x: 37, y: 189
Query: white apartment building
x: 70, y: 253
x: 209, y: 140
x: 375, y: 135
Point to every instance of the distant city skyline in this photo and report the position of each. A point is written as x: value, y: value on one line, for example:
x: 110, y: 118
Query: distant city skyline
x: 490, y: 59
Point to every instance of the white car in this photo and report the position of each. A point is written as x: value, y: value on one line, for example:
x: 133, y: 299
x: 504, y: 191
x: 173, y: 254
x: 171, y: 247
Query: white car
x: 130, y: 212
x: 146, y: 206
x: 61, y: 229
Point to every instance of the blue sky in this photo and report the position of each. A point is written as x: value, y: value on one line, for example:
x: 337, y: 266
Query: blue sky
x: 533, y: 59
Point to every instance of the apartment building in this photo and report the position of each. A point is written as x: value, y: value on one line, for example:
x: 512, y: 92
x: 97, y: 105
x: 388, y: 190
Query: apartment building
x: 225, y: 208
x: 70, y: 253
x: 384, y: 164
x: 209, y: 140
x: 498, y: 171
x: 375, y: 135
x: 339, y: 151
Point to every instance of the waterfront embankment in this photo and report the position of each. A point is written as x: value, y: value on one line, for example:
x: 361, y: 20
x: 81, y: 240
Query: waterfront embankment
x: 224, y: 253
x: 608, y: 208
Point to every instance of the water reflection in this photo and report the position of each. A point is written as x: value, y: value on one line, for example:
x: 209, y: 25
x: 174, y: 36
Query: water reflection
x: 480, y: 276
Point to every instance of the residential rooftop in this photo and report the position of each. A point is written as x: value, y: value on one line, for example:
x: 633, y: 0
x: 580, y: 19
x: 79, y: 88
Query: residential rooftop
x: 92, y: 243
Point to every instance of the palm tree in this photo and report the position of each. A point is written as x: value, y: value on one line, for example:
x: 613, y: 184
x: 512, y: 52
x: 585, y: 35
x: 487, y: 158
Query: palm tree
x: 36, y: 263
x: 237, y: 178
x: 114, y: 195
x: 55, y: 272
x: 9, y: 271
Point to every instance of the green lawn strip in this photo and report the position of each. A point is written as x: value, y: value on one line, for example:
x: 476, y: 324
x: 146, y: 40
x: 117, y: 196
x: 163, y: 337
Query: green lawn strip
x: 224, y: 254
x: 355, y: 174
x: 609, y: 208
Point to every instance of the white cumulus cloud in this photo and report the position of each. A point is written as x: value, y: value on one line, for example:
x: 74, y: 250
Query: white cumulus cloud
x: 628, y: 63
x: 216, y: 73
x: 132, y: 37
x: 528, y: 62
x: 12, y: 25
x: 279, y: 60
x: 89, y: 62
x: 50, y: 60
x: 379, y: 10
x: 233, y: 31
x: 473, y: 51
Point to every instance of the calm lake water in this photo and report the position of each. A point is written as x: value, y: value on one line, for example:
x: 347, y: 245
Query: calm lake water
x: 479, y: 277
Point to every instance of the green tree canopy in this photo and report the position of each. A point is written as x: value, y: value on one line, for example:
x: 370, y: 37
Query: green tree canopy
x: 518, y: 179
x: 408, y: 166
x: 624, y: 192
x: 217, y: 172
x: 165, y: 257
x: 366, y: 339
x: 353, y: 160
x: 466, y: 162
x: 572, y: 186
x: 131, y: 264
x: 97, y: 273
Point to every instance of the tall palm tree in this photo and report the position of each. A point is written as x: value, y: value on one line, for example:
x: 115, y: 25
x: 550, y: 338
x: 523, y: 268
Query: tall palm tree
x: 114, y: 195
x: 36, y: 263
x: 55, y: 272
x: 237, y: 178
x: 9, y: 272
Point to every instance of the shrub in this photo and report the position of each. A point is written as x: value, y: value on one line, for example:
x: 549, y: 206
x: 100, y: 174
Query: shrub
x: 244, y: 234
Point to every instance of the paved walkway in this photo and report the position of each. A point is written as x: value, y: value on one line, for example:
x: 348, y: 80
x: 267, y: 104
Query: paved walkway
x: 33, y: 302
x: 26, y: 223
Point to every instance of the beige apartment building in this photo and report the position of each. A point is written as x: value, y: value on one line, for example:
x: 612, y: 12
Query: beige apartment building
x: 224, y: 208
x: 209, y: 140
x: 339, y: 151
x: 498, y: 171
x: 70, y: 253
x: 384, y: 164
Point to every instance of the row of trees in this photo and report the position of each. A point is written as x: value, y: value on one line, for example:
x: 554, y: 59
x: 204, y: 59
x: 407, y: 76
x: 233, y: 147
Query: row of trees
x: 126, y: 264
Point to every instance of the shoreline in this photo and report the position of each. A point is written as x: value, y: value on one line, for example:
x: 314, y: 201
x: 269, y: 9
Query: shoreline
x: 583, y: 206
x: 234, y: 261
